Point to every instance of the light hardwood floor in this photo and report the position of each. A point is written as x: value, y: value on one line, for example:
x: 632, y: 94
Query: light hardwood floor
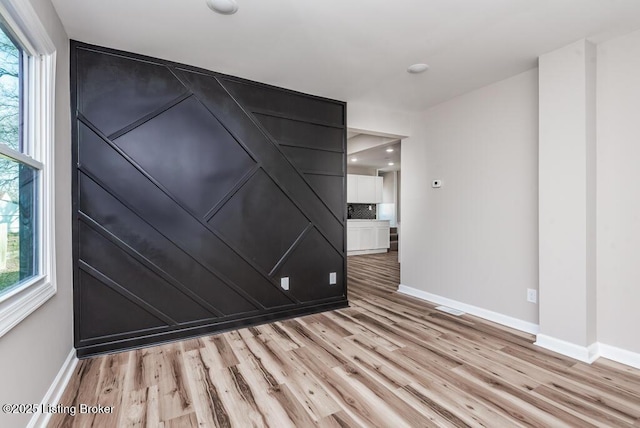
x: 387, y: 361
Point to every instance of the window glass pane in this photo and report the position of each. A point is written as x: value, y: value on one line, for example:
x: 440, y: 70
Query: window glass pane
x: 10, y: 89
x: 18, y: 223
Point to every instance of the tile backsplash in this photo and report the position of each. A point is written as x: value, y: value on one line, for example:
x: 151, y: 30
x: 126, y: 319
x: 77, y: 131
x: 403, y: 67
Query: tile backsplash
x: 361, y: 211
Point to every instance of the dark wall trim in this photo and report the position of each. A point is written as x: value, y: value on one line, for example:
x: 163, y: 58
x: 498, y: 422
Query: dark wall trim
x: 150, y: 338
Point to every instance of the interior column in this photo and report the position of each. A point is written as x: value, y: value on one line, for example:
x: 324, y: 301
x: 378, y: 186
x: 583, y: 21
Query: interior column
x: 567, y: 196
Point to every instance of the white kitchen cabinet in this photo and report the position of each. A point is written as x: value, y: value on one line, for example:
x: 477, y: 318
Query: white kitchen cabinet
x: 352, y: 193
x: 378, y: 189
x: 364, y: 189
x: 367, y: 236
x: 353, y: 238
x: 382, y: 237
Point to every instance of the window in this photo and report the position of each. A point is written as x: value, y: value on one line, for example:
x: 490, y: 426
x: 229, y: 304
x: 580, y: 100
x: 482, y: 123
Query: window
x: 27, y: 58
x: 18, y: 180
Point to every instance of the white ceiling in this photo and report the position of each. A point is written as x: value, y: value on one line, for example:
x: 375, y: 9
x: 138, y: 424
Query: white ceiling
x: 353, y: 50
x: 362, y: 142
x: 377, y: 157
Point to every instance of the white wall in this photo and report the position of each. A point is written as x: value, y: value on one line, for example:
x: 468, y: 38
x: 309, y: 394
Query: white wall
x: 567, y: 194
x: 32, y: 353
x: 618, y: 188
x: 378, y: 121
x: 388, y: 187
x: 475, y: 240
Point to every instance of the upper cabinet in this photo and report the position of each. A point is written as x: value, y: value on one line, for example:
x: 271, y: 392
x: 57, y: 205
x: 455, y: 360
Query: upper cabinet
x: 364, y: 189
x: 351, y: 188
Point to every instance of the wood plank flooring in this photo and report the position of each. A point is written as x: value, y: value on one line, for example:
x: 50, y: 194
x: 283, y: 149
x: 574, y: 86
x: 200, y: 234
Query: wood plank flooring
x: 387, y: 361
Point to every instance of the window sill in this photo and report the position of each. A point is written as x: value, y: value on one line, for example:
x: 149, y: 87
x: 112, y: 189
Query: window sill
x: 23, y: 301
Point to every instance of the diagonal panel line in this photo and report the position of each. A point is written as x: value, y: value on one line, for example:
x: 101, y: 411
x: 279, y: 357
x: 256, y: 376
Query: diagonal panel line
x: 148, y: 264
x: 270, y: 174
x: 291, y: 249
x: 265, y: 112
x: 148, y: 117
x: 299, y: 146
x: 178, y: 78
x: 126, y: 293
x: 332, y: 174
x: 302, y: 172
x: 239, y: 185
x: 128, y: 334
x: 275, y: 143
x: 212, y: 271
x: 170, y: 195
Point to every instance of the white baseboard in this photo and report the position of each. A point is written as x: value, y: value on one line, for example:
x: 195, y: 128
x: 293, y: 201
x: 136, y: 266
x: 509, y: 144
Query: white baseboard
x: 496, y: 317
x: 620, y: 355
x: 54, y: 394
x: 586, y: 354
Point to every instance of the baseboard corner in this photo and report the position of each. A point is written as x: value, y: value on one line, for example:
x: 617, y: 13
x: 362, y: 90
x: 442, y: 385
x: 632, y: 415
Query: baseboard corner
x: 586, y: 354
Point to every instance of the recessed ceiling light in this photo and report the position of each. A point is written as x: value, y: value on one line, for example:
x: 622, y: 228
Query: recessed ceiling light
x: 389, y: 150
x: 390, y: 164
x: 224, y: 7
x: 417, y: 68
x: 354, y: 159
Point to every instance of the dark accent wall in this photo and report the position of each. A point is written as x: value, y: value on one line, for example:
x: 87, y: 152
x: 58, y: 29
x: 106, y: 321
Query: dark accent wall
x: 193, y: 194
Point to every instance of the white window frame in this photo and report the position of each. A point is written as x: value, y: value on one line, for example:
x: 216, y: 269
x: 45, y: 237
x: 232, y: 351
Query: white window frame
x: 19, y: 17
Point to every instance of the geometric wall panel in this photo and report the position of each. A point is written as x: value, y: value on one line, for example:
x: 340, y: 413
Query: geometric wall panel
x: 314, y: 258
x: 116, y: 220
x: 103, y: 82
x: 240, y: 119
x: 328, y: 188
x: 121, y: 268
x: 106, y: 312
x: 242, y: 221
x: 289, y: 132
x: 315, y: 161
x: 288, y: 104
x: 193, y: 193
x: 189, y: 152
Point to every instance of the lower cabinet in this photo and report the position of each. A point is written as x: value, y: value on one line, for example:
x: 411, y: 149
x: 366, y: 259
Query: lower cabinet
x: 367, y: 236
x: 353, y: 238
x: 382, y: 237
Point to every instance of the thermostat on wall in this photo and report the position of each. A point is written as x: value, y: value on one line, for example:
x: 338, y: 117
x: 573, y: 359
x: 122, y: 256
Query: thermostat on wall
x: 436, y: 184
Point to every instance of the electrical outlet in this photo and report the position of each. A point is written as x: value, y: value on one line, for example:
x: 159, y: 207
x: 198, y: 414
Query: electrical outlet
x: 532, y: 295
x: 332, y: 278
x: 284, y: 283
